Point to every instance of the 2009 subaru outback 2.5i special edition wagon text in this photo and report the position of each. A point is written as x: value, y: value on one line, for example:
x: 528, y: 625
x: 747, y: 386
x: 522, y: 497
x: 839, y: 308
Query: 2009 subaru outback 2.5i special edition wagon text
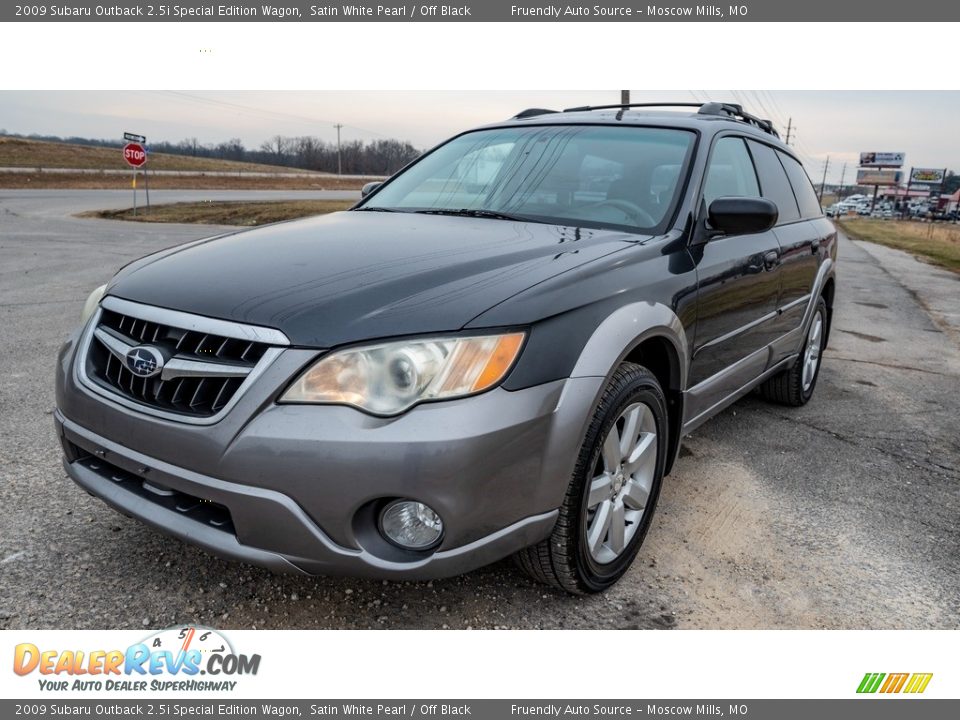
x: 496, y: 352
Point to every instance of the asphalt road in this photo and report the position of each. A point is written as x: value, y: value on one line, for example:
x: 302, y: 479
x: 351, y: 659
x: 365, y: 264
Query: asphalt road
x: 841, y: 514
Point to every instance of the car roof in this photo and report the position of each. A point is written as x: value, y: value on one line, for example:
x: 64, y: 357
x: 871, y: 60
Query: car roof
x: 698, y: 121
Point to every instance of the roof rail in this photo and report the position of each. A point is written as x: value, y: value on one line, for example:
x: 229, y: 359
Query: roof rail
x: 737, y: 112
x: 585, y: 108
x: 533, y: 112
x: 730, y: 110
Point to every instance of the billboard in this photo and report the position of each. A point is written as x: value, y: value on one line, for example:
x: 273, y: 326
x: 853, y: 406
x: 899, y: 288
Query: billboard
x: 932, y: 176
x: 881, y: 159
x: 866, y: 176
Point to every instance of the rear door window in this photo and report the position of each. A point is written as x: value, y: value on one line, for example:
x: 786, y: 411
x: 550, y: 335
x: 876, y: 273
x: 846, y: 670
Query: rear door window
x: 774, y: 183
x: 802, y: 187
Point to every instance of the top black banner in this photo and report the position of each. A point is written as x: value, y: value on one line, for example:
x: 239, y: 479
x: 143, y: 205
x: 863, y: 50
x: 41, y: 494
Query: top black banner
x: 861, y: 11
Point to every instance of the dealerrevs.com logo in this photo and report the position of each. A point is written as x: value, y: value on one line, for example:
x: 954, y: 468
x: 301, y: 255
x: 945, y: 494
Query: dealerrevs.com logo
x: 180, y: 659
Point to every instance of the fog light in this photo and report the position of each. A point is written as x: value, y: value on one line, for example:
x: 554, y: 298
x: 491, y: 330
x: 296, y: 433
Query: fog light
x: 411, y: 525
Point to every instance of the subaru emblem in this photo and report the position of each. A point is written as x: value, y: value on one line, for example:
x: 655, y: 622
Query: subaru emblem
x: 145, y: 361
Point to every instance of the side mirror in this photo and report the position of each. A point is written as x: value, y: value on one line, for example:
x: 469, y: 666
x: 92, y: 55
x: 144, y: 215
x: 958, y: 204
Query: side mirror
x: 742, y: 215
x: 369, y: 188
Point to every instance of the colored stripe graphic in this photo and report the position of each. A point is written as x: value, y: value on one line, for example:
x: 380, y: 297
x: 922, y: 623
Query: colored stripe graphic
x: 870, y: 682
x: 894, y: 683
x: 918, y: 682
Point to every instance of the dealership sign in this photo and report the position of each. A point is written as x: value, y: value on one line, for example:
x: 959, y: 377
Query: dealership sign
x: 932, y: 176
x: 881, y: 159
x: 866, y: 176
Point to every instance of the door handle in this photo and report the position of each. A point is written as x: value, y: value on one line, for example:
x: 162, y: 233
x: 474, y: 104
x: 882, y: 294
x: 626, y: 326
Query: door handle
x: 815, y: 246
x: 770, y: 259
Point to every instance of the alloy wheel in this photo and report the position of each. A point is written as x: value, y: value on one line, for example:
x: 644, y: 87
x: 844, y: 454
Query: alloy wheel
x: 623, y: 478
x: 811, y: 355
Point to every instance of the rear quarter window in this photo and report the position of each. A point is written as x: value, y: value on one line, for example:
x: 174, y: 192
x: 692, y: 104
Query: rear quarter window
x: 802, y: 187
x: 774, y: 184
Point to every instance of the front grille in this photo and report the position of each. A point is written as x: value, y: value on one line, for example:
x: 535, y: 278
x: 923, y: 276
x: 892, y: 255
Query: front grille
x: 195, y: 508
x: 194, y: 394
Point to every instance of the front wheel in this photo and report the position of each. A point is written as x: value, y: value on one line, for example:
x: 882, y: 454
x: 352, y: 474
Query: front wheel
x: 611, y: 498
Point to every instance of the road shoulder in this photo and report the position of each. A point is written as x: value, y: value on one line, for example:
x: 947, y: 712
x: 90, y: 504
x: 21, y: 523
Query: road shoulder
x: 937, y: 290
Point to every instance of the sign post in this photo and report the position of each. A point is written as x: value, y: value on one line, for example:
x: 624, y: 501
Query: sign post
x: 136, y: 157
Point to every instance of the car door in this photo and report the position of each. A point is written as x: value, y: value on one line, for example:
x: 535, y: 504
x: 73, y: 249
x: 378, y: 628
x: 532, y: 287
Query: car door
x: 801, y: 244
x: 793, y: 235
x: 738, y: 285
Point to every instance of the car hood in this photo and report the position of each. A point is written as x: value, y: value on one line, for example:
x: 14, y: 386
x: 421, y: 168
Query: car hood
x: 353, y: 276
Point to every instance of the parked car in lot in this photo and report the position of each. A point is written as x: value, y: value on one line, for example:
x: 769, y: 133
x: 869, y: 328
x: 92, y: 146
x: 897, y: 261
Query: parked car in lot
x: 496, y: 352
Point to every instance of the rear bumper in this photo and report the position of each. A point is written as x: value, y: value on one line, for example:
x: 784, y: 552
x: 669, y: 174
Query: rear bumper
x: 300, y: 484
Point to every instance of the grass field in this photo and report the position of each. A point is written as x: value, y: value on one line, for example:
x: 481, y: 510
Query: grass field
x: 939, y: 243
x: 23, y: 153
x: 245, y: 214
x: 96, y: 181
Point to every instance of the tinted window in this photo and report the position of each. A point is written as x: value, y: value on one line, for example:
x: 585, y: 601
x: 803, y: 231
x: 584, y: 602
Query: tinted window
x: 625, y: 177
x: 731, y: 172
x: 802, y: 187
x: 773, y: 182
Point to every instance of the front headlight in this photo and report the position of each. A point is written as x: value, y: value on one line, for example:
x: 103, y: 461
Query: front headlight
x: 91, y: 304
x: 390, y: 378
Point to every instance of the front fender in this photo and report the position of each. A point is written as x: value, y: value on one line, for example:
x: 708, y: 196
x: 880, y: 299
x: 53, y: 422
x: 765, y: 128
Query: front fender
x: 625, y: 330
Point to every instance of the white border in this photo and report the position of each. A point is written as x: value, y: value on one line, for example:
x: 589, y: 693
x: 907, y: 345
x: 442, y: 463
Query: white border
x: 754, y: 664
x: 568, y: 56
x: 476, y: 56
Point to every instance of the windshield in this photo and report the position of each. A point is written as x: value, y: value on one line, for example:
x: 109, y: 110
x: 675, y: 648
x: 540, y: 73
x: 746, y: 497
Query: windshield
x: 592, y: 176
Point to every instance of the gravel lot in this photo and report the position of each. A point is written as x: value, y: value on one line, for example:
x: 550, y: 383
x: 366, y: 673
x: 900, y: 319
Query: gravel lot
x: 841, y: 514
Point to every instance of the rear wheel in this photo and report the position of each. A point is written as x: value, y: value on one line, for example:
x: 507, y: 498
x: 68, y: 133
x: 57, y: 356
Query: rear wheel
x: 795, y: 385
x: 610, y: 501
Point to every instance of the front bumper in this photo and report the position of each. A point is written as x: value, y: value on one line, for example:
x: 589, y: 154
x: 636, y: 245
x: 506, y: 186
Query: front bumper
x: 299, y: 484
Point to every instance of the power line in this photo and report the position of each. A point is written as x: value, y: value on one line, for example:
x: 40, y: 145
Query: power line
x: 776, y: 104
x: 269, y: 114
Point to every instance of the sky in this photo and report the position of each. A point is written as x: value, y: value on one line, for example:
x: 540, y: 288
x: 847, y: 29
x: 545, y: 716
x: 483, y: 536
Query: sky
x: 838, y: 124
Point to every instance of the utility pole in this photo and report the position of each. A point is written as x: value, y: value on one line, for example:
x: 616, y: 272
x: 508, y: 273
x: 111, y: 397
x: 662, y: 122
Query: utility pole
x: 339, y: 159
x: 843, y: 174
x: 789, y: 129
x: 624, y: 97
x: 824, y: 181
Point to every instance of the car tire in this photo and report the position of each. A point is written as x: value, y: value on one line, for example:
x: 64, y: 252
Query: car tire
x: 795, y: 385
x: 625, y: 445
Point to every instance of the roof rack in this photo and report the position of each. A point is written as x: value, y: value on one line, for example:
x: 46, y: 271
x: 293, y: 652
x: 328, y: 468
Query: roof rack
x: 737, y: 112
x: 585, y: 108
x: 710, y: 108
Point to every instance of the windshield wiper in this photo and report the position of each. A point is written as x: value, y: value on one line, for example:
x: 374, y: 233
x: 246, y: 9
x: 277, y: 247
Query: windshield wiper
x: 377, y: 209
x: 478, y: 213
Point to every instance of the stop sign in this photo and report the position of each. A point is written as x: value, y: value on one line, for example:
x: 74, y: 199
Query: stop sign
x: 134, y: 154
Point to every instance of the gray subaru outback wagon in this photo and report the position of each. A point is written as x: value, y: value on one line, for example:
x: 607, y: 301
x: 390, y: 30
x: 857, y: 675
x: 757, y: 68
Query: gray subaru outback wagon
x: 496, y: 352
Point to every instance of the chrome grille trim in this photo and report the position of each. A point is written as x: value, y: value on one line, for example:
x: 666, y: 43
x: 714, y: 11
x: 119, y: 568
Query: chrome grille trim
x: 182, y: 369
x: 176, y: 367
x: 195, y: 323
